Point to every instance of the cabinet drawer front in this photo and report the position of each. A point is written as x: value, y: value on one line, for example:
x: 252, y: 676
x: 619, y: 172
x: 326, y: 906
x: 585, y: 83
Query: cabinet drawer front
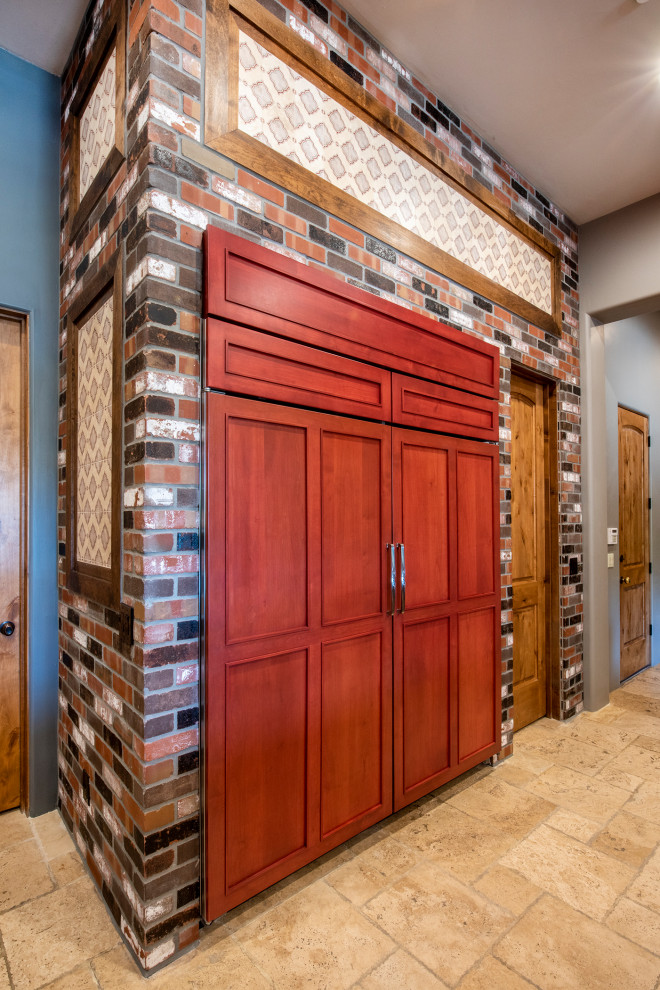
x: 435, y: 407
x: 252, y: 363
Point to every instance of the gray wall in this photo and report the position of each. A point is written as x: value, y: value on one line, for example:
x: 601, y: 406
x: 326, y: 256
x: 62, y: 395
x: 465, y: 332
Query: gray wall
x: 632, y: 379
x: 619, y: 279
x: 29, y: 263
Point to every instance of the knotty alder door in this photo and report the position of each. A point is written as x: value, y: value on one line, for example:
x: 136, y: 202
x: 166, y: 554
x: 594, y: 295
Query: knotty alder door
x: 301, y: 612
x: 633, y: 541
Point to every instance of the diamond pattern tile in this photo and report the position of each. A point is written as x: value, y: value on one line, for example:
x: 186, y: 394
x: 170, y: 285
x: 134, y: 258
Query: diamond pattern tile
x: 97, y: 125
x: 94, y: 442
x: 284, y: 111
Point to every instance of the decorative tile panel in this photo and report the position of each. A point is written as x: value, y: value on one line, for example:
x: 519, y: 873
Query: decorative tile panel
x: 284, y: 111
x: 94, y: 444
x: 97, y: 125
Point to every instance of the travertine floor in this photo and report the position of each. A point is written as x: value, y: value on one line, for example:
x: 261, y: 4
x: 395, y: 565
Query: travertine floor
x: 544, y: 872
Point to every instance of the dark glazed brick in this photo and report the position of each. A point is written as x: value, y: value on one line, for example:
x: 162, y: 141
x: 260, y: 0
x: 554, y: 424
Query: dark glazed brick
x: 188, y: 587
x: 425, y: 288
x: 423, y: 118
x: 188, y: 762
x: 412, y: 121
x: 437, y: 308
x: 379, y: 281
x: 328, y: 240
x: 435, y: 113
x: 187, y: 718
x: 159, y: 450
x: 306, y: 212
x: 482, y: 304
x: 159, y: 726
x: 249, y: 222
x: 188, y: 629
x: 363, y: 35
x: 166, y: 836
x: 316, y: 8
x: 344, y: 265
x: 519, y: 189
x: 187, y: 894
x: 274, y: 8
x: 346, y: 67
x: 187, y: 541
x: 380, y: 250
x: 443, y: 108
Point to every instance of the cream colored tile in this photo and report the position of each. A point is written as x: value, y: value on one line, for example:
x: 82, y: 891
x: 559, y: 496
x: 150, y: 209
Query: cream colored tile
x: 641, y: 723
x: 315, y: 939
x: 14, y: 827
x: 401, y: 970
x: 490, y: 974
x: 80, y: 979
x: 365, y: 875
x: 612, y: 775
x: 571, y: 824
x: 645, y: 889
x: 514, y: 811
x: 210, y: 967
x: 649, y: 742
x: 66, y: 868
x: 52, y: 833
x: 460, y: 843
x: 637, y: 703
x: 562, y: 750
x: 23, y: 874
x: 508, y: 888
x: 646, y: 684
x: 524, y: 759
x: 557, y: 948
x: 609, y: 715
x: 582, y: 877
x: 628, y: 838
x: 440, y: 921
x: 609, y: 738
x: 69, y: 926
x: 637, y: 923
x: 514, y: 774
x: 4, y: 975
x: 638, y: 761
x: 585, y: 795
x: 645, y: 802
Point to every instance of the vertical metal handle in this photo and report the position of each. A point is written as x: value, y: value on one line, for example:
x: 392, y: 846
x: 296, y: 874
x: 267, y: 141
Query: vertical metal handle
x: 402, y: 551
x: 392, y: 582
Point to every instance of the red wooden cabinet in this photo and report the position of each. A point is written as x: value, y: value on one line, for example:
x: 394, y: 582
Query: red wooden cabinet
x: 351, y: 566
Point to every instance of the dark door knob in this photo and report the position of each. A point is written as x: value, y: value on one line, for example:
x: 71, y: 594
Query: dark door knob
x: 7, y: 628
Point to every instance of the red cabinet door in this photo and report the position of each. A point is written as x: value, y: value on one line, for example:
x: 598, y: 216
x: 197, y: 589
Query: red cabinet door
x: 445, y: 655
x: 298, y: 642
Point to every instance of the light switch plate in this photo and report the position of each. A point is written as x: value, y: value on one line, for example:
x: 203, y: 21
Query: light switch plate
x: 612, y: 536
x: 610, y: 560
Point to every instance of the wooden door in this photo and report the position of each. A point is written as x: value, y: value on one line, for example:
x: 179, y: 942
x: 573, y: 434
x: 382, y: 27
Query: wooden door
x: 634, y: 541
x: 529, y: 532
x: 298, y: 671
x: 11, y: 525
x: 445, y: 659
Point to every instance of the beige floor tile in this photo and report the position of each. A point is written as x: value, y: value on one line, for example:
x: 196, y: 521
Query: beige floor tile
x: 609, y: 714
x: 69, y: 925
x: 514, y: 774
x: 645, y: 684
x: 218, y: 966
x: 638, y: 761
x: 508, y: 888
x: 628, y: 838
x: 637, y: 923
x: 612, y: 775
x: 14, y: 827
x: 566, y: 751
x: 634, y: 702
x: 609, y: 738
x: 582, y: 877
x: 490, y: 974
x: 645, y: 802
x: 52, y: 834
x: 645, y: 888
x: 4, y: 975
x: 440, y: 921
x: 649, y: 742
x: 557, y: 948
x: 514, y: 811
x: 365, y: 875
x: 315, y: 939
x: 524, y: 759
x: 641, y: 723
x: 80, y: 979
x: 574, y: 825
x: 401, y: 971
x: 66, y: 868
x: 23, y: 874
x: 584, y: 795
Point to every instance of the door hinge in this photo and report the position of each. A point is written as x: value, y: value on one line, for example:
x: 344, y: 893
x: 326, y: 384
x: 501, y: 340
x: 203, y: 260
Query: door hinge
x: 649, y: 503
x: 648, y: 439
x: 651, y: 629
x: 650, y: 567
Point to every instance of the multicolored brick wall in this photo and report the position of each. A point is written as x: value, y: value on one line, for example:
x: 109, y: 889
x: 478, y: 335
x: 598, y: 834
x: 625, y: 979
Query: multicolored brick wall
x: 129, y: 731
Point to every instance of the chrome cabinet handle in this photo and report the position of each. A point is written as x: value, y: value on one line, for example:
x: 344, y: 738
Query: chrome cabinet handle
x: 392, y: 582
x: 402, y: 551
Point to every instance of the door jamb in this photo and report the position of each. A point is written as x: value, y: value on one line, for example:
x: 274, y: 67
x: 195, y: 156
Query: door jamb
x: 22, y: 328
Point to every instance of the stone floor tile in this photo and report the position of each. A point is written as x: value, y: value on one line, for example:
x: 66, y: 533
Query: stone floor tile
x: 638, y: 761
x: 52, y: 834
x: 315, y: 939
x: 79, y: 979
x: 574, y: 825
x: 645, y: 802
x: 645, y: 888
x: 649, y: 742
x: 514, y: 774
x: 643, y: 724
x: 442, y: 922
x: 524, y: 759
x: 401, y: 971
x: 608, y: 714
x: 490, y: 974
x: 508, y: 888
x: 67, y: 868
x: 23, y: 874
x: 609, y: 738
x: 4, y: 975
x: 464, y: 845
x: 577, y: 792
x: 566, y: 751
x: 557, y: 948
x: 510, y: 809
x: 637, y: 923
x: 640, y: 703
x: 69, y: 925
x: 364, y: 876
x: 628, y: 838
x: 612, y: 775
x: 14, y: 827
x: 582, y: 877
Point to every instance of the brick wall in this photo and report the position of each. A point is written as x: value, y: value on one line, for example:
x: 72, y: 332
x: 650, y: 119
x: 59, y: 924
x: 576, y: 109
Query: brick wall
x: 129, y: 785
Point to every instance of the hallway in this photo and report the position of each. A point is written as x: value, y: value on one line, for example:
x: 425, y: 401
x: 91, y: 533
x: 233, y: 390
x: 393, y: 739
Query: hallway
x: 543, y: 872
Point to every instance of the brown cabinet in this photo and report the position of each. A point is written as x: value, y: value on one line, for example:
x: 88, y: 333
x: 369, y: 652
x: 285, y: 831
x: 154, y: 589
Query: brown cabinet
x: 351, y: 567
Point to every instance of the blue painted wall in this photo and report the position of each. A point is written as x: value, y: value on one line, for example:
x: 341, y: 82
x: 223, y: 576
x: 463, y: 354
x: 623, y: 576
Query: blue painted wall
x: 29, y: 273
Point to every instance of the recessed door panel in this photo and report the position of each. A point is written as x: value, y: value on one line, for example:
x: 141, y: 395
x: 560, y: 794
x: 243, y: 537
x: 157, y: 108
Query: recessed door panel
x: 266, y: 746
x: 475, y: 523
x: 476, y: 681
x: 353, y: 761
x: 267, y: 518
x: 634, y: 542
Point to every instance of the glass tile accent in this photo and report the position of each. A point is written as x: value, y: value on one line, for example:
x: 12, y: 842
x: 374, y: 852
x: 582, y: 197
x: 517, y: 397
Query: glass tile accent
x: 94, y: 439
x: 97, y: 125
x: 284, y: 111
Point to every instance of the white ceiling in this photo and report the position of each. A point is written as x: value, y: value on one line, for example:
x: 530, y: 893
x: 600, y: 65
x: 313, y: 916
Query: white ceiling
x: 567, y: 90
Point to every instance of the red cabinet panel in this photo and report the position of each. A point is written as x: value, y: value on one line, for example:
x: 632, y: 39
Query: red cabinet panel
x: 478, y: 633
x: 435, y: 407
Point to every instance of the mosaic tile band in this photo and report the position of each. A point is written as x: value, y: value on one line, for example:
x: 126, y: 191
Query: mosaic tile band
x: 287, y: 113
x: 94, y: 447
x: 97, y: 125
